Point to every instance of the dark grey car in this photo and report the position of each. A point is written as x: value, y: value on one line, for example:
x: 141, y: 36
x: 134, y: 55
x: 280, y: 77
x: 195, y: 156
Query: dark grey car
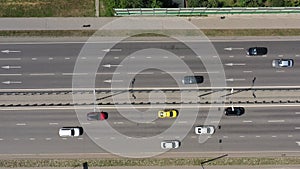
x: 192, y: 79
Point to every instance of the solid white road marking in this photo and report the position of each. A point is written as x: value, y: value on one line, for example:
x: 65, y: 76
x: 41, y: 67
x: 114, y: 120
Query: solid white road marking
x: 112, y: 50
x: 10, y: 51
x: 297, y: 55
x: 118, y: 122
x: 275, y: 121
x: 109, y: 65
x: 10, y: 59
x: 132, y: 57
x: 247, y: 121
x: 247, y: 71
x: 41, y: 74
x: 141, y: 73
x: 233, y: 48
x: 10, y: 74
x: 206, y: 72
x: 110, y: 81
x: 232, y: 79
x: 53, y: 123
x: 21, y: 124
x: 280, y: 55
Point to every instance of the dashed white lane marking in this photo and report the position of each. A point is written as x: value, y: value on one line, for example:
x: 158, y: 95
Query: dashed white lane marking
x: 149, y: 122
x: 73, y: 74
x: 206, y: 72
x: 42, y: 74
x: 53, y: 123
x: 279, y: 71
x: 141, y: 73
x: 31, y: 139
x: 181, y: 57
x: 7, y: 59
x: 118, y: 122
x: 193, y: 136
x: 85, y: 123
x: 16, y: 139
x: 107, y: 73
x: 177, y: 137
x: 182, y: 122
x: 21, y: 124
x: 274, y: 136
x: 174, y: 72
x: 298, y: 142
x: 166, y: 57
x: 50, y: 58
x: 290, y: 135
x: 148, y: 57
x: 64, y: 138
x: 83, y: 57
x: 214, y: 121
x: 96, y: 138
x: 225, y: 136
x: 242, y: 136
x: 161, y: 137
x: 215, y: 56
x: 100, y: 57
x: 297, y: 55
x: 280, y: 55
x: 264, y: 56
x: 231, y: 56
x: 48, y: 139
x: 112, y: 138
x: 247, y: 71
x: 247, y: 121
x: 116, y: 57
x: 33, y: 58
x: 67, y: 58
x: 1, y: 139
x: 10, y: 74
x: 80, y: 138
x: 132, y: 57
x: 297, y: 128
x: 297, y: 112
x: 257, y: 136
x: 275, y: 121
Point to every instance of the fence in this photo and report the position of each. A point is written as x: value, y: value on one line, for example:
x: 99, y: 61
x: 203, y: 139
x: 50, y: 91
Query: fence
x: 203, y: 11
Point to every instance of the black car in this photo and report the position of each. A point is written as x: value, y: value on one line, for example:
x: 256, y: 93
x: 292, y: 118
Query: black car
x: 257, y: 51
x: 192, y: 79
x: 234, y: 111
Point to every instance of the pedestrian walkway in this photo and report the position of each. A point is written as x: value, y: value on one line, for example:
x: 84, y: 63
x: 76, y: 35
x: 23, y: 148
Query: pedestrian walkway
x: 266, y: 21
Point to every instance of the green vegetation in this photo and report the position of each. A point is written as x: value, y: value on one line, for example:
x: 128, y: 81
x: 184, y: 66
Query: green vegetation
x: 207, y: 32
x: 243, y: 3
x: 47, y: 8
x: 147, y: 162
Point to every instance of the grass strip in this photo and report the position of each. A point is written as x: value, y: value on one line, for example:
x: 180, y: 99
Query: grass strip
x: 207, y: 32
x: 148, y: 162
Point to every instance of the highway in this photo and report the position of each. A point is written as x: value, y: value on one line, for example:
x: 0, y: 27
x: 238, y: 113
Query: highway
x: 50, y: 65
x: 259, y: 129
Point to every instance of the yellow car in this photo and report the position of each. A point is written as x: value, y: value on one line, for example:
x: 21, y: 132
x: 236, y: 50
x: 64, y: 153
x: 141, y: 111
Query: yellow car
x: 168, y: 113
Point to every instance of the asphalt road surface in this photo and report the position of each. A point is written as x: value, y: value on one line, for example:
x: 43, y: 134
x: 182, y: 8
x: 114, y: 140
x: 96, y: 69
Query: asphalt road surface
x: 258, y: 130
x: 51, y: 65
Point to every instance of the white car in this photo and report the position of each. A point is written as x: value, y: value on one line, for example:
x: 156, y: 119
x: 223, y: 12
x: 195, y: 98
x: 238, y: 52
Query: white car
x: 205, y: 130
x: 70, y: 131
x: 282, y: 63
x: 170, y: 144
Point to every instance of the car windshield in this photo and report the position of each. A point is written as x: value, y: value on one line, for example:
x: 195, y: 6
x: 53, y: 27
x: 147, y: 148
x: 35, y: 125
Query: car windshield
x: 171, y: 113
x: 72, y: 132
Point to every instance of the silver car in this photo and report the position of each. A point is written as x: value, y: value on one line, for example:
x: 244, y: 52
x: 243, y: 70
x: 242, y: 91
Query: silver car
x: 170, y: 144
x: 279, y: 63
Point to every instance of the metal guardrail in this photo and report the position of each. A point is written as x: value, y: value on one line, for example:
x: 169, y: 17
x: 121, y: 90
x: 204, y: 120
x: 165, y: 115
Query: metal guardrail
x: 203, y: 11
